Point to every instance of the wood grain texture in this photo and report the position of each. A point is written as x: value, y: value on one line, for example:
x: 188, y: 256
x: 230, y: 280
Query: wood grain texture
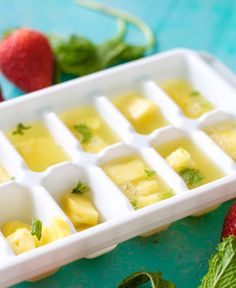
x: 181, y: 252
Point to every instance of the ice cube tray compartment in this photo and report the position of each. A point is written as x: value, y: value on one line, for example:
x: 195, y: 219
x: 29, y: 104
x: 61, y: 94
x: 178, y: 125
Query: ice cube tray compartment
x: 119, y: 221
x: 36, y: 202
x: 197, y: 73
x: 216, y: 119
x: 93, y: 178
x: 199, y: 143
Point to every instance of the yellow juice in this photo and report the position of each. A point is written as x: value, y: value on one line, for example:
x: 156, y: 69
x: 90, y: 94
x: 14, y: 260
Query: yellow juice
x: 140, y: 184
x: 224, y: 134
x: 192, y: 103
x: 186, y: 159
x: 36, y: 146
x: 143, y: 114
x: 4, y: 176
x: 89, y: 128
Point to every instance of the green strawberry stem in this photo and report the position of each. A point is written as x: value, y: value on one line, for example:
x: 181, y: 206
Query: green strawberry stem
x: 142, y: 26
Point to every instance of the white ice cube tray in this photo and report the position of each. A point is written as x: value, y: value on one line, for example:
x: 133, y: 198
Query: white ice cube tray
x: 37, y: 194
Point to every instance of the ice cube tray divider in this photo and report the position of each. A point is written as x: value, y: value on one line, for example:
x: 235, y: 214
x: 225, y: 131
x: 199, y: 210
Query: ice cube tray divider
x: 119, y: 220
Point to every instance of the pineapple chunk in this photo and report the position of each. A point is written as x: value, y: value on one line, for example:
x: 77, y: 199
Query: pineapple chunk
x: 147, y: 200
x: 126, y: 171
x: 139, y: 110
x: 82, y: 227
x: 225, y: 135
x: 40, y: 153
x: 93, y: 122
x: 94, y: 145
x: 59, y: 228
x: 10, y: 227
x: 21, y: 241
x: 190, y: 101
x: 80, y: 210
x: 179, y: 159
x: 45, y: 239
x: 3, y: 175
x: 147, y: 187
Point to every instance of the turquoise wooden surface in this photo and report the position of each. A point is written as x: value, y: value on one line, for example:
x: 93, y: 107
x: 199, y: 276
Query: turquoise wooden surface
x: 181, y: 252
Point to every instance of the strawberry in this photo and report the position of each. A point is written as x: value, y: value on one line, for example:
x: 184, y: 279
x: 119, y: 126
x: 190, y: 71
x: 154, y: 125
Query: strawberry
x: 229, y: 226
x: 26, y: 59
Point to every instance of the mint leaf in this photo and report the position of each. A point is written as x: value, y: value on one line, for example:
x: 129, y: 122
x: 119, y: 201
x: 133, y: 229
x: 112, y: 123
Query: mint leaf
x: 36, y: 228
x: 85, y: 131
x: 150, y: 172
x: 134, y: 204
x: 194, y: 93
x: 191, y: 176
x: 75, y: 55
x: 222, y: 266
x: 20, y: 129
x: 80, y: 188
x: 138, y: 278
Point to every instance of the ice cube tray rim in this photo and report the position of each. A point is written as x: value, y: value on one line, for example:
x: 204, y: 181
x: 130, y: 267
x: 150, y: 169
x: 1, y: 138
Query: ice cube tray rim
x: 143, y: 212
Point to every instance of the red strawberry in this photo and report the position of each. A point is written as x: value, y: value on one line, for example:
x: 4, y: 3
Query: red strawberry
x: 229, y: 226
x: 26, y: 59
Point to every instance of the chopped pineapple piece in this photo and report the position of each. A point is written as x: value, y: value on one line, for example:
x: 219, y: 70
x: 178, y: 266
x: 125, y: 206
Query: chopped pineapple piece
x: 80, y: 209
x: 147, y: 187
x: 190, y: 101
x: 127, y: 171
x: 45, y: 239
x: 147, y: 200
x: 82, y: 227
x: 143, y: 114
x: 40, y: 153
x: 59, y: 228
x: 89, y: 128
x: 21, y: 241
x: 95, y: 144
x: 139, y: 110
x: 93, y: 122
x: 37, y: 146
x: 10, y: 227
x: 179, y: 159
x: 224, y: 134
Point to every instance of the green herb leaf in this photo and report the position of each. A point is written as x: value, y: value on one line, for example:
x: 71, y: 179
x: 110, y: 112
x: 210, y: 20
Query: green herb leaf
x: 124, y: 16
x: 150, y: 172
x: 20, y: 129
x: 222, y: 266
x: 195, y: 93
x: 134, y: 204
x: 85, y: 131
x: 138, y: 278
x: 80, y: 188
x: 36, y: 228
x: 115, y: 52
x: 192, y: 177
x: 76, y: 55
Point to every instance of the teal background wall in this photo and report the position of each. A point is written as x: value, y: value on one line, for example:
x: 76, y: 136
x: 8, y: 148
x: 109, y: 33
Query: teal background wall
x: 181, y: 252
